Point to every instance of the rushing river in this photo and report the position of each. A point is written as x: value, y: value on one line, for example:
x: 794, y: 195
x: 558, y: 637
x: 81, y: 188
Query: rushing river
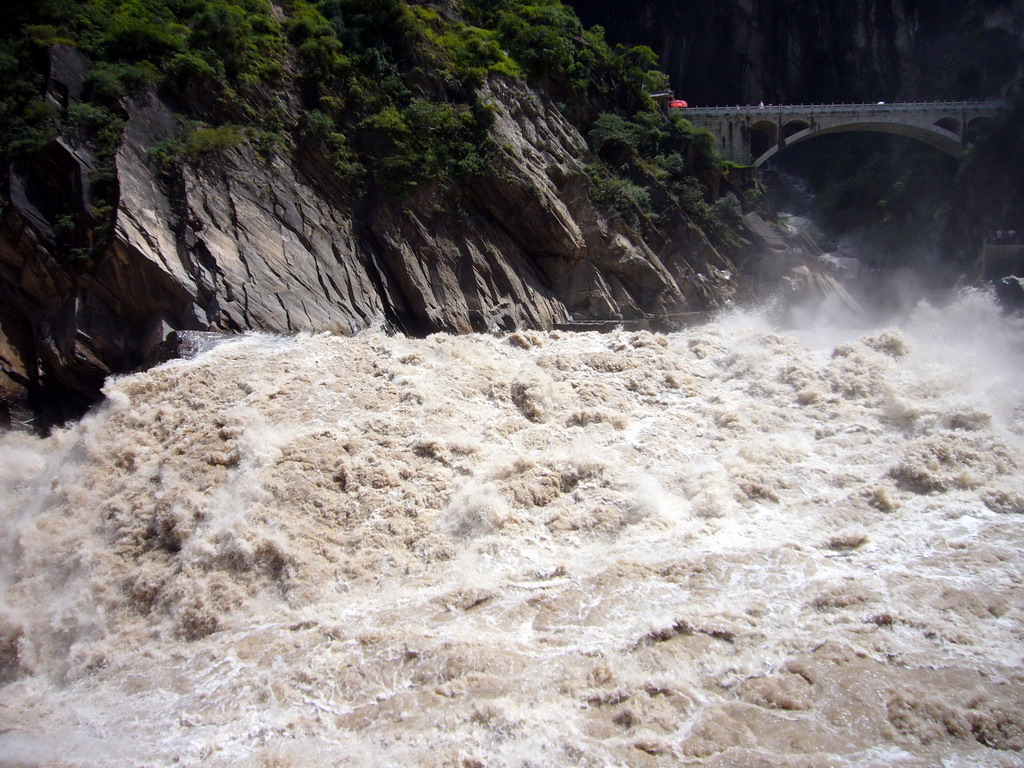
x: 727, y: 546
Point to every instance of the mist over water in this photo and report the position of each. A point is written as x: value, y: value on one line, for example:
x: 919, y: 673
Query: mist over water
x: 728, y: 546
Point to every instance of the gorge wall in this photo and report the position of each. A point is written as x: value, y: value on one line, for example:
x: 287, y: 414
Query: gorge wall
x: 743, y: 51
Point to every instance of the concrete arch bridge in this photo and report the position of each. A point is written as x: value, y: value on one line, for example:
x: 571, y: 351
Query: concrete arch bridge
x: 751, y: 135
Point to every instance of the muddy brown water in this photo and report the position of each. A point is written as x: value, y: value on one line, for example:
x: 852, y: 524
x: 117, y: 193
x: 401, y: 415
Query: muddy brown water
x: 725, y: 546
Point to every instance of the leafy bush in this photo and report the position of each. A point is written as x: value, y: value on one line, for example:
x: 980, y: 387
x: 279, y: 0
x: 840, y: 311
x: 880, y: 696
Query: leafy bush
x: 637, y: 66
x: 242, y: 35
x: 702, y: 137
x: 612, y: 135
x: 107, y: 82
x: 469, y: 54
x: 367, y: 24
x: 646, y: 133
x: 46, y: 35
x: 191, y: 64
x: 137, y: 37
x: 305, y: 22
x: 96, y: 124
x: 545, y: 39
x: 719, y: 219
x: 426, y: 141
x: 325, y: 57
x: 620, y: 198
x: 344, y: 161
x: 27, y: 129
x: 200, y: 141
x: 541, y: 37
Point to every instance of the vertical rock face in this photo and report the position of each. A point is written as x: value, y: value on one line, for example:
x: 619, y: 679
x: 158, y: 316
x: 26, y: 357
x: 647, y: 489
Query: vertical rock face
x: 238, y: 240
x: 743, y: 51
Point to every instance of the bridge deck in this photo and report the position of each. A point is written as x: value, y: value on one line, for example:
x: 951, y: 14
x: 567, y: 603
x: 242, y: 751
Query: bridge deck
x: 894, y: 107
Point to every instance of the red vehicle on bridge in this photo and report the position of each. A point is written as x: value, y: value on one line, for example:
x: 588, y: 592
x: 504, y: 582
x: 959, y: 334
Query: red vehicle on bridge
x: 677, y: 104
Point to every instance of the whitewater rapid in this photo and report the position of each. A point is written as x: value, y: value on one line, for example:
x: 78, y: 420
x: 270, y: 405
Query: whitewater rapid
x: 727, y: 546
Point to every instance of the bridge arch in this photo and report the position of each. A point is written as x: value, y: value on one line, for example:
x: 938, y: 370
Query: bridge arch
x: 793, y: 127
x: 768, y: 127
x: 942, y: 139
x: 978, y: 126
x: 763, y: 134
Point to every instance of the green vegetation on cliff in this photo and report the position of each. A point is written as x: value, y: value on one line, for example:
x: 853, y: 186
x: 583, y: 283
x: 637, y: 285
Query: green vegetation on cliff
x: 390, y: 94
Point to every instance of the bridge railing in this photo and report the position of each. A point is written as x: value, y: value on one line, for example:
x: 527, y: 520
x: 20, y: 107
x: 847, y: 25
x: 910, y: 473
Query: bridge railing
x: 895, y: 106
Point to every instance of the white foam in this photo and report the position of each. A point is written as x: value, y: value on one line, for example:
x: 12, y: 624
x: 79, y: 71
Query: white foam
x: 549, y: 548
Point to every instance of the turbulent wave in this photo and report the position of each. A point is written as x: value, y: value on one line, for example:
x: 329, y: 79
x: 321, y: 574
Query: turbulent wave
x: 727, y: 546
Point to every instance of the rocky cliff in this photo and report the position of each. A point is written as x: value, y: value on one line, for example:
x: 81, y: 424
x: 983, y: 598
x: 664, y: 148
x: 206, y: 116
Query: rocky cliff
x: 742, y: 51
x: 246, y: 238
